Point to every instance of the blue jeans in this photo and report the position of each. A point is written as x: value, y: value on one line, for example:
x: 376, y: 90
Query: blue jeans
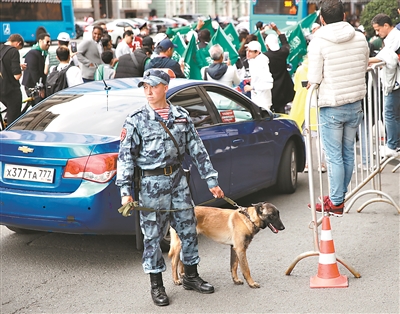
x: 392, y: 118
x: 338, y: 128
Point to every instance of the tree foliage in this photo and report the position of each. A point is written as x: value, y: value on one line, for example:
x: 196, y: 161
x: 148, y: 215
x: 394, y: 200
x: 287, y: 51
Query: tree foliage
x: 374, y: 7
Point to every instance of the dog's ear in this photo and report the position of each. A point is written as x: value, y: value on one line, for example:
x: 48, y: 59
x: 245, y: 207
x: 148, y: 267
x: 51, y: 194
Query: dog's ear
x: 258, y: 207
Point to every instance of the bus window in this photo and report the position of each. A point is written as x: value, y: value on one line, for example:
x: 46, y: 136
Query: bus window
x: 282, y: 12
x: 30, y: 11
x: 277, y: 7
x: 28, y: 18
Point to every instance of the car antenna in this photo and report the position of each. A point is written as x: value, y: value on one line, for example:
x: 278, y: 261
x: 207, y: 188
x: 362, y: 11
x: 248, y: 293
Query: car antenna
x: 106, y: 87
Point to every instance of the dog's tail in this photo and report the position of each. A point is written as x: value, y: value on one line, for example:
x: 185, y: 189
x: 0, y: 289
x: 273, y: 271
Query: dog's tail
x: 175, y: 242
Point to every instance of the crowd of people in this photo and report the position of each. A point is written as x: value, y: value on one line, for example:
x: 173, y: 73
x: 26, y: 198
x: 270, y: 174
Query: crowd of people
x: 261, y: 76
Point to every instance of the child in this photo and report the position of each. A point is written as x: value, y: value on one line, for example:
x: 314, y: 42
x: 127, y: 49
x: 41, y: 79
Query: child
x: 105, y: 71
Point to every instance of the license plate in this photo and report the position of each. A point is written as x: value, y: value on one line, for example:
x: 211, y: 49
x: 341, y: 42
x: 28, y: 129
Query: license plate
x: 27, y: 173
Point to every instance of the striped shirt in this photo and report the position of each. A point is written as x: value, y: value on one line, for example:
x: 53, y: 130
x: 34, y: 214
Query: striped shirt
x: 163, y: 112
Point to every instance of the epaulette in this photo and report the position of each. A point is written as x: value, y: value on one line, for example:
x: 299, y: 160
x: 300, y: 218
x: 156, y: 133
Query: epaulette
x: 181, y: 109
x: 136, y: 112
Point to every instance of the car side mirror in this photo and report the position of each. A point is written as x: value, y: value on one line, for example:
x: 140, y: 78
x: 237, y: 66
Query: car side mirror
x: 266, y: 114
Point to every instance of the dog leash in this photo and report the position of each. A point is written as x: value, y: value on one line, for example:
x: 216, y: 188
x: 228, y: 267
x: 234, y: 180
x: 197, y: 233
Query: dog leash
x: 126, y: 210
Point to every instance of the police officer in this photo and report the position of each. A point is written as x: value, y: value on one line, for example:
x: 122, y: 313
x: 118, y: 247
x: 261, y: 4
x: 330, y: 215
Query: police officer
x: 146, y: 144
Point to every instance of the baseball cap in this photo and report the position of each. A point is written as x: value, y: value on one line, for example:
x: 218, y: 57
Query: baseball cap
x: 254, y: 45
x: 142, y: 25
x: 147, y: 41
x: 166, y: 43
x: 272, y: 42
x: 361, y: 28
x: 154, y: 77
x: 159, y: 37
x: 63, y: 36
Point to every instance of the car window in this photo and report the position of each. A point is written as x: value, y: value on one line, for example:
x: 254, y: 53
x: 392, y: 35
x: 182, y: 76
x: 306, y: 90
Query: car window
x: 85, y: 113
x: 230, y: 109
x: 194, y: 104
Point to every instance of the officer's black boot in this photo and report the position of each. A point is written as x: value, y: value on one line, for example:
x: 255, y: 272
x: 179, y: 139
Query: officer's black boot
x: 158, y: 293
x: 192, y: 280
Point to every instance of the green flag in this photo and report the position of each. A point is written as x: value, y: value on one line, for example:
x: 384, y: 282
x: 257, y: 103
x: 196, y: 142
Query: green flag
x: 171, y: 32
x: 233, y: 36
x: 261, y: 41
x: 207, y: 25
x: 192, y: 69
x: 203, y: 57
x: 222, y: 39
x: 309, y: 20
x: 178, y: 51
x: 298, y: 45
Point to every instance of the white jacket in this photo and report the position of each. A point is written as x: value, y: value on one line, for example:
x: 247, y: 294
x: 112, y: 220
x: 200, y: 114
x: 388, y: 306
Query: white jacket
x: 390, y: 72
x: 338, y: 61
x: 261, y: 81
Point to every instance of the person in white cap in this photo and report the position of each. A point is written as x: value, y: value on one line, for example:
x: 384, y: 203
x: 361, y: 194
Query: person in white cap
x: 157, y: 39
x: 63, y: 39
x: 261, y: 79
x: 283, y: 89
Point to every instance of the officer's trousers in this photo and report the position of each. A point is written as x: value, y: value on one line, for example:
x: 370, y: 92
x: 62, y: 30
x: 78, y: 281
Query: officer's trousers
x: 167, y: 193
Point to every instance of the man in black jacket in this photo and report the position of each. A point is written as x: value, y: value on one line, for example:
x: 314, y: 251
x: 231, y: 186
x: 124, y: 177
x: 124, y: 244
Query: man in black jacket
x: 132, y: 64
x: 10, y: 73
x: 35, y: 62
x: 283, y: 88
x: 165, y: 50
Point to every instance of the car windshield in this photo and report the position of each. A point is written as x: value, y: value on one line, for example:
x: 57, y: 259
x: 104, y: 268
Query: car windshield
x: 91, y: 112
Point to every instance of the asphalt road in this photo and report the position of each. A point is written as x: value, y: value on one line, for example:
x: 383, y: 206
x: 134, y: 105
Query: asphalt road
x: 60, y: 273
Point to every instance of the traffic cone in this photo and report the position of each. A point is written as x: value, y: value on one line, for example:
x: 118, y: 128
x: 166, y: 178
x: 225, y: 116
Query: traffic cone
x: 328, y: 273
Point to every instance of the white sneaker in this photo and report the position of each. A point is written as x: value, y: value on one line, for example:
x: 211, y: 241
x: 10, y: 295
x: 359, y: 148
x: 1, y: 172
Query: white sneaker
x: 322, y: 168
x: 387, y: 152
x: 363, y: 166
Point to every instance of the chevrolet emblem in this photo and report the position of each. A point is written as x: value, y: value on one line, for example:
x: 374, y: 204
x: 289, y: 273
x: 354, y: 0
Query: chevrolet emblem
x: 25, y: 149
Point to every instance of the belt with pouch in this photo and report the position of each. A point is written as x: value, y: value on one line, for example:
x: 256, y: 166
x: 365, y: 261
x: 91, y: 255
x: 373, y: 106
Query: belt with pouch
x: 167, y: 171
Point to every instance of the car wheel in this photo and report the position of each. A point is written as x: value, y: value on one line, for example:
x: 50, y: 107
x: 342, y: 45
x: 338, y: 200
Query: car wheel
x: 287, y: 172
x: 22, y: 231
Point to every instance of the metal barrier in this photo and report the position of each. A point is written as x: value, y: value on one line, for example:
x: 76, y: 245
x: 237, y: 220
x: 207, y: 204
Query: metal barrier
x: 368, y: 162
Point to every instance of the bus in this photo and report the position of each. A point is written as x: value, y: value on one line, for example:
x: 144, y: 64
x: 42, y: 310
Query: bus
x: 283, y: 13
x: 29, y: 18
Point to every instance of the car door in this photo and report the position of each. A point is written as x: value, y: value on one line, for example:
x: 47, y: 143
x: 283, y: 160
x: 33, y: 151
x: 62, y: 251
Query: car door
x: 215, y: 139
x: 250, y: 139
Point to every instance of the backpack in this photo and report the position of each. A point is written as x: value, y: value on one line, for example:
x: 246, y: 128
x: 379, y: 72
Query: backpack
x: 56, y: 80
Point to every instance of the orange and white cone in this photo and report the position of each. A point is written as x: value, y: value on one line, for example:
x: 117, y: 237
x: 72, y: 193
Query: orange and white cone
x: 328, y: 273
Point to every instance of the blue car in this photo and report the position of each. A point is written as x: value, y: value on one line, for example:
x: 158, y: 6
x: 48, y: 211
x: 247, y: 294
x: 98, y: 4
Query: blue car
x: 58, y: 161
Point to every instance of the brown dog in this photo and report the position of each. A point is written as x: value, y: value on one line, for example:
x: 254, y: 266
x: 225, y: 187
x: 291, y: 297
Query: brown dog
x: 232, y: 227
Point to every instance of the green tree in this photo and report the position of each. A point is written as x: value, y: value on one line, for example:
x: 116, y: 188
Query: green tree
x: 374, y: 7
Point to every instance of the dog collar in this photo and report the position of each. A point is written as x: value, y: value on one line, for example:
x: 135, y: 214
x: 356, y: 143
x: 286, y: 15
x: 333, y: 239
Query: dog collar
x: 243, y: 210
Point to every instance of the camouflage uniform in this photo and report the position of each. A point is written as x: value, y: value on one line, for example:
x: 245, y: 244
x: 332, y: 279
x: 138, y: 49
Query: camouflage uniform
x: 146, y: 144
